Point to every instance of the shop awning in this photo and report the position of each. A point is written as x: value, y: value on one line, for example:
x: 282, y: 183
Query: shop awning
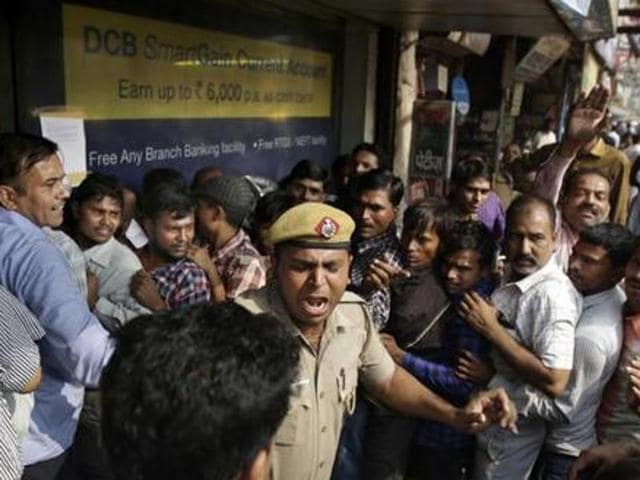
x: 585, y: 19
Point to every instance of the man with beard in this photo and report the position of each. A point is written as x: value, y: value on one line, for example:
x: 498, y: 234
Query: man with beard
x: 339, y: 347
x: 170, y: 278
x: 530, y: 323
x: 587, y: 190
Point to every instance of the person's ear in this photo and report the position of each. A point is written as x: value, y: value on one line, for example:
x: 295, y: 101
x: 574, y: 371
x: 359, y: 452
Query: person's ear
x: 259, y: 468
x: 8, y: 197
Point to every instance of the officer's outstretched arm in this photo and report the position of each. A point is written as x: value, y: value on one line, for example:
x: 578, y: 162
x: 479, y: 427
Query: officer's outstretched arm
x: 404, y: 393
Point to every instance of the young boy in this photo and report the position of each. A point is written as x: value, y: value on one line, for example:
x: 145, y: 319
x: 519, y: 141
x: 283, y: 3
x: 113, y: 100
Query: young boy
x: 464, y: 265
x: 418, y: 302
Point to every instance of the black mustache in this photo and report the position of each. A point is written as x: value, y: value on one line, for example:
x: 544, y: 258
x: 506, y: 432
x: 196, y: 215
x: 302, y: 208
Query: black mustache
x: 590, y: 208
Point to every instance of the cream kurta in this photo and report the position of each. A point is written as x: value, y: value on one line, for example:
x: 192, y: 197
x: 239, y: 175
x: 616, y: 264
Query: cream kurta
x: 350, y: 350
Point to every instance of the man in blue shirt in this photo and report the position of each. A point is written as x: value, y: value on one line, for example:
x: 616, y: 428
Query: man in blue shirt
x: 75, y: 347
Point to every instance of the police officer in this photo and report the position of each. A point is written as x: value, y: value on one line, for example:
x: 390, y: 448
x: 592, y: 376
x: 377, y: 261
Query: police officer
x: 339, y: 347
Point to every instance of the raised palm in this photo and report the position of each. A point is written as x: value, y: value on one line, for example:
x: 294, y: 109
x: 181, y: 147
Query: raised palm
x: 587, y: 115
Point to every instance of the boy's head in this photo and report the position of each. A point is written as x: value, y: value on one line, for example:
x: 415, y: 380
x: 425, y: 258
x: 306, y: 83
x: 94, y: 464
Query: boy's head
x: 423, y: 229
x: 467, y: 256
x: 97, y: 205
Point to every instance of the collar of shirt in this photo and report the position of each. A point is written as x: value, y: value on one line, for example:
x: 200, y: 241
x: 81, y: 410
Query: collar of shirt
x: 602, y: 297
x: 529, y: 281
x: 101, y: 254
x: 599, y: 149
x: 231, y: 245
x: 20, y: 221
x: 387, y: 238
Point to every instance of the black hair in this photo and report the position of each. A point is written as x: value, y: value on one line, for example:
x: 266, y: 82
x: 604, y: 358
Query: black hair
x: 617, y: 240
x: 307, y: 169
x: 196, y: 392
x: 271, y: 206
x: 167, y: 198
x: 203, y: 175
x: 97, y: 186
x: 574, y: 175
x: 20, y: 152
x: 379, y: 179
x: 427, y: 213
x: 468, y: 169
x: 471, y: 235
x: 371, y: 148
x: 519, y: 204
x: 163, y: 176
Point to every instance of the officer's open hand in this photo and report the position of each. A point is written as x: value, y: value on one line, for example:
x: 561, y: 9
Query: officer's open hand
x: 488, y: 407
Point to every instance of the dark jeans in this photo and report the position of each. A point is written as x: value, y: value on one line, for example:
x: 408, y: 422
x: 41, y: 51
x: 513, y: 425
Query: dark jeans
x: 441, y: 464
x: 348, y: 464
x: 48, y: 470
x: 88, y: 456
x: 387, y: 442
x: 554, y: 466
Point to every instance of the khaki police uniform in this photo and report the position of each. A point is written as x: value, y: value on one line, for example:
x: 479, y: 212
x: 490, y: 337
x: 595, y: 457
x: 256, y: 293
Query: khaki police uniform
x: 350, y: 351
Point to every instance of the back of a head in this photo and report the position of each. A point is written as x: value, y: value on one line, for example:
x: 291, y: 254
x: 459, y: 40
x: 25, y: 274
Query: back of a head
x: 379, y: 179
x: 271, y: 206
x: 233, y: 194
x: 196, y: 393
x: 19, y: 152
x: 205, y: 174
x: 166, y: 198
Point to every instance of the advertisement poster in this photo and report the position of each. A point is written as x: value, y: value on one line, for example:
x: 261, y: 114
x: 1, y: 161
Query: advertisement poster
x: 431, y: 157
x: 159, y: 94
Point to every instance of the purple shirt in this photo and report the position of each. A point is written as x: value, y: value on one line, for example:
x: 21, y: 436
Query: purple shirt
x: 491, y: 214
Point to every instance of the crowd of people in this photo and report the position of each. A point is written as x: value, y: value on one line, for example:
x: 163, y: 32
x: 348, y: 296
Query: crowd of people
x: 210, y: 330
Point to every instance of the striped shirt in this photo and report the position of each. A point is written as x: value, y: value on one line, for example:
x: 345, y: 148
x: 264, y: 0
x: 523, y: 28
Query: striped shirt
x: 19, y: 360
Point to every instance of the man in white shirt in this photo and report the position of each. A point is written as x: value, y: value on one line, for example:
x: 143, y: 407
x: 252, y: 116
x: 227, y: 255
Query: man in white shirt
x: 596, y: 267
x: 531, y: 328
x: 97, y: 205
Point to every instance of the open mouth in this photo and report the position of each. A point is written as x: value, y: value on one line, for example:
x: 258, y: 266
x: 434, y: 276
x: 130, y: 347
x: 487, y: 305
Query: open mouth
x: 315, y: 306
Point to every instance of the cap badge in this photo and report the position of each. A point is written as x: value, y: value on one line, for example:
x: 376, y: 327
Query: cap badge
x: 327, y: 228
